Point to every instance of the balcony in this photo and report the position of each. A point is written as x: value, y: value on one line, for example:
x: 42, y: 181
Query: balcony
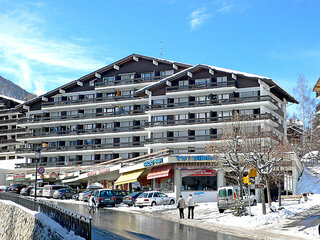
x: 90, y: 100
x: 81, y: 116
x: 252, y: 117
x: 81, y: 147
x: 5, y: 121
x: 129, y: 81
x: 82, y: 132
x: 214, y: 102
x: 202, y: 86
x: 5, y: 141
x: 16, y: 130
x: 184, y: 139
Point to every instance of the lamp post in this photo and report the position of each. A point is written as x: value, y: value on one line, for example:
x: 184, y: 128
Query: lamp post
x: 37, y: 155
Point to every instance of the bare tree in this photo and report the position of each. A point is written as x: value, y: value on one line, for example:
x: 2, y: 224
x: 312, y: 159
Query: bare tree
x: 233, y: 154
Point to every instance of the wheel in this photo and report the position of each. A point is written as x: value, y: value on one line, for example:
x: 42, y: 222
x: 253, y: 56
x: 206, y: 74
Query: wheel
x: 118, y: 201
x: 171, y: 202
x: 63, y: 197
x: 113, y: 205
x: 140, y: 206
x: 254, y: 203
x: 153, y: 204
x: 221, y: 210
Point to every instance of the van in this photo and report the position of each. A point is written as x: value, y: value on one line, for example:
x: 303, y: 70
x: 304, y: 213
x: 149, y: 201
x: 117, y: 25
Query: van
x: 228, y: 195
x: 48, y: 190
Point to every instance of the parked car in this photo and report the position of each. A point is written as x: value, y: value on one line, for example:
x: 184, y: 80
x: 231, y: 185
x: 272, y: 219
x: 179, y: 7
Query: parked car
x: 39, y: 191
x: 48, y: 190
x: 153, y: 198
x: 119, y: 194
x: 75, y: 196
x: 104, y: 197
x: 228, y: 195
x: 131, y: 198
x: 16, y: 188
x: 4, y: 188
x: 26, y: 191
x: 84, y: 196
x: 64, y: 193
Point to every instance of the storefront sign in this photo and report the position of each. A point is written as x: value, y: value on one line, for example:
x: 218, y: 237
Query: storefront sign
x: 197, y: 158
x: 19, y: 177
x: 153, y: 162
x: 100, y: 171
x: 198, y: 173
x: 53, y: 175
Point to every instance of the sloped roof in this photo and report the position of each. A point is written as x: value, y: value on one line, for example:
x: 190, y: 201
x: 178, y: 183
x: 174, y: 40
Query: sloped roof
x: 267, y: 80
x: 12, y: 99
x: 100, y: 71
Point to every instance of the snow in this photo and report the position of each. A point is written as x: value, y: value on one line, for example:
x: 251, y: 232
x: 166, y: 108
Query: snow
x: 7, y: 202
x: 309, y: 181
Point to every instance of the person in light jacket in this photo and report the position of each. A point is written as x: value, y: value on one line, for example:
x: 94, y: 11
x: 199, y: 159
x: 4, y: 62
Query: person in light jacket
x: 181, y: 205
x: 191, y: 204
x: 91, y: 203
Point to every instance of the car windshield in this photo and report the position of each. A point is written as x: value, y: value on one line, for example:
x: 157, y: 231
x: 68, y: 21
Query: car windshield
x: 143, y: 195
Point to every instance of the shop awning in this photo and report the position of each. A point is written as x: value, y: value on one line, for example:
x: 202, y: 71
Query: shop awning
x: 129, y: 177
x: 159, y: 172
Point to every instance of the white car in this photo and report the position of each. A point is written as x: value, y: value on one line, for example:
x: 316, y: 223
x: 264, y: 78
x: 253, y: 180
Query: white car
x: 153, y: 198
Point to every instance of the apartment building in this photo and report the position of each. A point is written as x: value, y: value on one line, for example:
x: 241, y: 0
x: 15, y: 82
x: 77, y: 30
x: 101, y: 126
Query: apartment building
x: 9, y: 132
x: 142, y: 105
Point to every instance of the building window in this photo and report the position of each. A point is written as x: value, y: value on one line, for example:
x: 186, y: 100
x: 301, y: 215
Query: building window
x: 165, y: 184
x: 249, y: 94
x: 199, y: 180
x: 147, y: 76
x: 184, y: 84
x: 203, y: 82
x: 167, y: 73
x: 127, y: 77
x: 109, y: 80
x: 222, y: 81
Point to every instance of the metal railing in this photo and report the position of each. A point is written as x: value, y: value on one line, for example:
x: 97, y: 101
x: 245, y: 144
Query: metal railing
x: 81, y: 225
x: 231, y: 83
x: 213, y: 102
x: 128, y: 81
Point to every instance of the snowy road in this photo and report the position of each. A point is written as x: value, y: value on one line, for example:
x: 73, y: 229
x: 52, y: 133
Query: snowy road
x: 110, y: 224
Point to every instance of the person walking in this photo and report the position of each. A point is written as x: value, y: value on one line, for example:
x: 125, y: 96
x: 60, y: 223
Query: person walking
x: 181, y: 205
x: 91, y: 203
x: 191, y: 204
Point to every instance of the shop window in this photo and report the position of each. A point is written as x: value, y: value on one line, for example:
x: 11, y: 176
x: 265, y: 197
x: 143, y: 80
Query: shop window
x: 165, y: 184
x: 199, y: 180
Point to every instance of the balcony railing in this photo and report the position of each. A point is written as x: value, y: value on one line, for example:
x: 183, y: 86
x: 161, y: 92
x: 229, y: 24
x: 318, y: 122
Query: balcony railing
x: 3, y: 141
x: 89, y: 100
x: 4, y: 121
x: 82, y: 131
x: 202, y: 86
x: 16, y: 130
x: 214, y: 102
x: 212, y: 120
x: 184, y: 138
x: 128, y: 81
x: 80, y: 116
x: 81, y: 147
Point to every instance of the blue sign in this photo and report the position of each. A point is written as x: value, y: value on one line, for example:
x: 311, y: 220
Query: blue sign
x: 197, y: 158
x: 198, y: 193
x: 153, y: 162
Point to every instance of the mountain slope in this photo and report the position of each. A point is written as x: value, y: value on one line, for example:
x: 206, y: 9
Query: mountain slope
x: 10, y: 89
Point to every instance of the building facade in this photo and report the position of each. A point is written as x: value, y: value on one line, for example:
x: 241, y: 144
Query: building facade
x: 9, y: 132
x: 112, y: 123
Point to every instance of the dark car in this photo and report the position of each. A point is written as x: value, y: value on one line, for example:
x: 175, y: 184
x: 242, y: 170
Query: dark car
x: 64, y: 193
x: 119, y: 194
x: 131, y: 198
x: 16, y: 188
x: 104, y: 197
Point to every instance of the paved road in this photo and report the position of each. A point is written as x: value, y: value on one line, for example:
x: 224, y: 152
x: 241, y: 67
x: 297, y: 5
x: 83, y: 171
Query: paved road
x: 110, y: 224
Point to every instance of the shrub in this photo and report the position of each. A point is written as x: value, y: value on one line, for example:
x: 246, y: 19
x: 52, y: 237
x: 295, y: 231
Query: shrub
x: 239, y: 209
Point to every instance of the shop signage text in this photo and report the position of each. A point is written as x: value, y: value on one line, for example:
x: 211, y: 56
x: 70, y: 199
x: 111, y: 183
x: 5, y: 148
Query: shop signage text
x: 153, y: 162
x: 100, y: 171
x: 18, y: 177
x: 197, y: 158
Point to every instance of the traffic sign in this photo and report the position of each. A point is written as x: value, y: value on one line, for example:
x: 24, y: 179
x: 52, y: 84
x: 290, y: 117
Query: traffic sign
x: 258, y: 186
x: 42, y: 176
x: 245, y: 179
x: 253, y: 172
x: 41, y: 170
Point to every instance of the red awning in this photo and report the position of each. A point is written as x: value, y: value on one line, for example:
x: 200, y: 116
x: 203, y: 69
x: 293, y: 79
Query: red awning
x: 159, y: 172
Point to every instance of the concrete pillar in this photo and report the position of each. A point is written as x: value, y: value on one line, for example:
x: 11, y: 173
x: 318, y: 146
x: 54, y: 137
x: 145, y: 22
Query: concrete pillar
x: 294, y: 180
x: 221, y: 181
x: 154, y: 181
x: 177, y: 182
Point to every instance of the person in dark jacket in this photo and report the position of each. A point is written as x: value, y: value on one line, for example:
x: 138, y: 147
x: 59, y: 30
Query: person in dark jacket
x: 181, y: 205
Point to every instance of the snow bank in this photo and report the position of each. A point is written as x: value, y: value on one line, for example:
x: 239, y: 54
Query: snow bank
x: 309, y: 181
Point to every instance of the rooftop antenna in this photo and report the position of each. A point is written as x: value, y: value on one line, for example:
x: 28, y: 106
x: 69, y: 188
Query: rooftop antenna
x: 161, y: 49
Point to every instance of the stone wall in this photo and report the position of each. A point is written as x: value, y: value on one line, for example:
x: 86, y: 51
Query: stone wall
x: 15, y: 223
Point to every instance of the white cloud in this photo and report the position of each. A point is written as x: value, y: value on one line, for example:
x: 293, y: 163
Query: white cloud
x: 227, y: 6
x: 198, y: 18
x: 27, y: 54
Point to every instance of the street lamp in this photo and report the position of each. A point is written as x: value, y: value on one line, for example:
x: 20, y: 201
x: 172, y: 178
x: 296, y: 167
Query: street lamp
x: 37, y: 155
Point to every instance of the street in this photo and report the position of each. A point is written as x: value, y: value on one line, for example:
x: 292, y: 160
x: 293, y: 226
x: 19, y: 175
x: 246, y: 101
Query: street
x: 110, y: 224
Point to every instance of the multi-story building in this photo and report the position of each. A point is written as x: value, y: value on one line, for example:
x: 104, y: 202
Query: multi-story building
x: 9, y: 132
x: 141, y: 105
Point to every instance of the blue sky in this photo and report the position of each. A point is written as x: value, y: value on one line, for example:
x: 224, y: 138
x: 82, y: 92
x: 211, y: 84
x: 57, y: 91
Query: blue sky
x: 44, y: 44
